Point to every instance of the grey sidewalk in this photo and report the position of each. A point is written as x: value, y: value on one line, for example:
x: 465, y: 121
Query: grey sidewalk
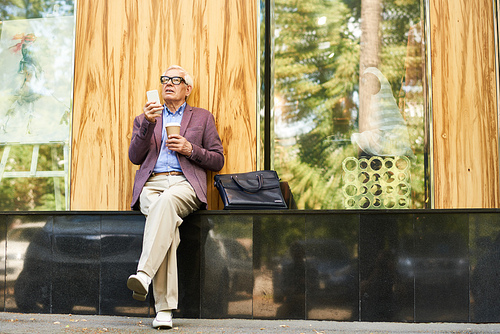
x: 57, y: 323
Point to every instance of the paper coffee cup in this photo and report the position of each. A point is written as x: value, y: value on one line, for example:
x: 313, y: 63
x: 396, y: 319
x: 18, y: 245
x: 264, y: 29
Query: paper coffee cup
x: 173, y: 128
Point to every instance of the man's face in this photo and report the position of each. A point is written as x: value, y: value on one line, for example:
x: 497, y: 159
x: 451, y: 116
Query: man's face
x: 175, y: 93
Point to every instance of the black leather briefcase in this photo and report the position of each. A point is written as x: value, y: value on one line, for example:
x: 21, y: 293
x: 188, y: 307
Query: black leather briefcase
x: 250, y: 191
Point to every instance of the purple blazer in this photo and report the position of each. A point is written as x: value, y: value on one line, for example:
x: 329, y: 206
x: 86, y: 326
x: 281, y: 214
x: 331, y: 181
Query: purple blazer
x: 198, y: 127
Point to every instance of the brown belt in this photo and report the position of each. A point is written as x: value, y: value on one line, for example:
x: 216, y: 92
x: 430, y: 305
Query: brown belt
x: 167, y: 173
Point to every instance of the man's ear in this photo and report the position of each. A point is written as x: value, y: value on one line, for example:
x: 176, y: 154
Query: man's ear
x: 189, y: 90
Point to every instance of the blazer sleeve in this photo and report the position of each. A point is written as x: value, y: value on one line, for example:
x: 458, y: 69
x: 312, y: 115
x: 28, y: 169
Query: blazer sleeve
x: 140, y: 144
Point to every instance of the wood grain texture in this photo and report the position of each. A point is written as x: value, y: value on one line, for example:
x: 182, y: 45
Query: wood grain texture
x: 465, y: 127
x: 122, y: 47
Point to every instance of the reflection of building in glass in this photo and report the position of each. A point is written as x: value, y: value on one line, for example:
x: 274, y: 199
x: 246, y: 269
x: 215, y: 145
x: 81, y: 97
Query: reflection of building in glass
x: 24, y: 98
x: 377, y: 183
x: 386, y: 133
x: 381, y: 178
x: 36, y: 67
x: 36, y: 70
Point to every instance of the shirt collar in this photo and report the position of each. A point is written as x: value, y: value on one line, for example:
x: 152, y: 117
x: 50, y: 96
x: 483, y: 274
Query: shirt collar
x: 179, y: 111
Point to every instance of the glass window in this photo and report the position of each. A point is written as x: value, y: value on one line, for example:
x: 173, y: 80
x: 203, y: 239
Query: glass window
x: 36, y: 71
x: 348, y: 107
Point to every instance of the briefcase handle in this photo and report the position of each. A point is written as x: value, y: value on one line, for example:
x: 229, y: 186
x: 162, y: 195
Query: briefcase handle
x: 252, y: 190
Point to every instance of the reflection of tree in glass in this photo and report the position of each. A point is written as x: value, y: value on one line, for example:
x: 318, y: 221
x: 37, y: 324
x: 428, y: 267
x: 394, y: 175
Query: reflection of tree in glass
x: 317, y: 66
x: 29, y: 9
x: 26, y: 194
x: 315, y: 57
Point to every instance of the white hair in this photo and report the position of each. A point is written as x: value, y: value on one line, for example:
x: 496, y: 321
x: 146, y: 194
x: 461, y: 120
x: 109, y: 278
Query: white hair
x: 187, y: 76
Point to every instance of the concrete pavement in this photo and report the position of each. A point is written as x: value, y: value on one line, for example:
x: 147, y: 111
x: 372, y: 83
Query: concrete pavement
x: 57, y: 323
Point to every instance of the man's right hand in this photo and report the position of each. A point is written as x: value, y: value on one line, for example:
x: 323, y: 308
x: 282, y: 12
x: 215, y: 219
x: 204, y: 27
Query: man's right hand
x: 152, y: 110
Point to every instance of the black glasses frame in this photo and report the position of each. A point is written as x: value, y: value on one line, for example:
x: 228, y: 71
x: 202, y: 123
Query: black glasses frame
x: 175, y: 80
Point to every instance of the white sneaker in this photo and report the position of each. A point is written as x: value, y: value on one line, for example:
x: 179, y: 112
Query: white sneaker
x: 139, y: 284
x: 163, y: 319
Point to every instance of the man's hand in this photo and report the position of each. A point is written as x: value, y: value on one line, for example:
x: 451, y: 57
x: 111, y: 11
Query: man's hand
x: 152, y: 110
x: 179, y: 144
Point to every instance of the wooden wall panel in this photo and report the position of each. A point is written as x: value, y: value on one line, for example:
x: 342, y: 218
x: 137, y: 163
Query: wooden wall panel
x: 234, y: 82
x: 122, y: 47
x: 464, y: 104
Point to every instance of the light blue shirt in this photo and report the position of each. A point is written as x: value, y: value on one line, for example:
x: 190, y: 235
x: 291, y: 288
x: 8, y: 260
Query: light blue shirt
x: 167, y: 160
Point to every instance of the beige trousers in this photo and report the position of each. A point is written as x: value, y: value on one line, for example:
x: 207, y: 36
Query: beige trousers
x: 165, y: 200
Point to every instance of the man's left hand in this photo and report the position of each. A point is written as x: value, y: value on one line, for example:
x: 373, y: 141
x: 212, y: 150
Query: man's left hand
x: 179, y: 144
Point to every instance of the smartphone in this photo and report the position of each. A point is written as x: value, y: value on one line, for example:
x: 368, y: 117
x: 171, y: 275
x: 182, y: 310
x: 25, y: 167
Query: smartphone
x: 153, y: 96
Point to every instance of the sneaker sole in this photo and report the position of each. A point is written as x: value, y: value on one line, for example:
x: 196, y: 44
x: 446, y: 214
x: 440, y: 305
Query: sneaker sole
x: 139, y: 292
x: 162, y: 324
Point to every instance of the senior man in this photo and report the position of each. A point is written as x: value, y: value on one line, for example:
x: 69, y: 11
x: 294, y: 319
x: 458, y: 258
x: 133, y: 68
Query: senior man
x: 170, y: 184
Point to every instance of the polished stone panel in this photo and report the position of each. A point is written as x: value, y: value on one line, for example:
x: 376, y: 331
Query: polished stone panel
x: 341, y: 266
x: 484, y: 231
x: 29, y: 252
x: 193, y: 234
x: 441, y: 267
x: 76, y: 264
x: 121, y: 244
x: 331, y: 267
x: 227, y: 268
x: 279, y: 266
x: 386, y: 287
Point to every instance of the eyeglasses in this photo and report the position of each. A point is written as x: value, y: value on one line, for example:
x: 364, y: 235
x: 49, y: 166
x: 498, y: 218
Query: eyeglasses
x: 175, y: 80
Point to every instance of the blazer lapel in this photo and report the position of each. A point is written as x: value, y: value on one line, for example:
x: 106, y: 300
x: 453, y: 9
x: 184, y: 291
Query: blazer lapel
x: 158, y: 132
x: 188, y: 113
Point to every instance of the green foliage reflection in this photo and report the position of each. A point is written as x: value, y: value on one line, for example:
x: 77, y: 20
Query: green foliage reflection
x: 318, y: 59
x: 33, y: 193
